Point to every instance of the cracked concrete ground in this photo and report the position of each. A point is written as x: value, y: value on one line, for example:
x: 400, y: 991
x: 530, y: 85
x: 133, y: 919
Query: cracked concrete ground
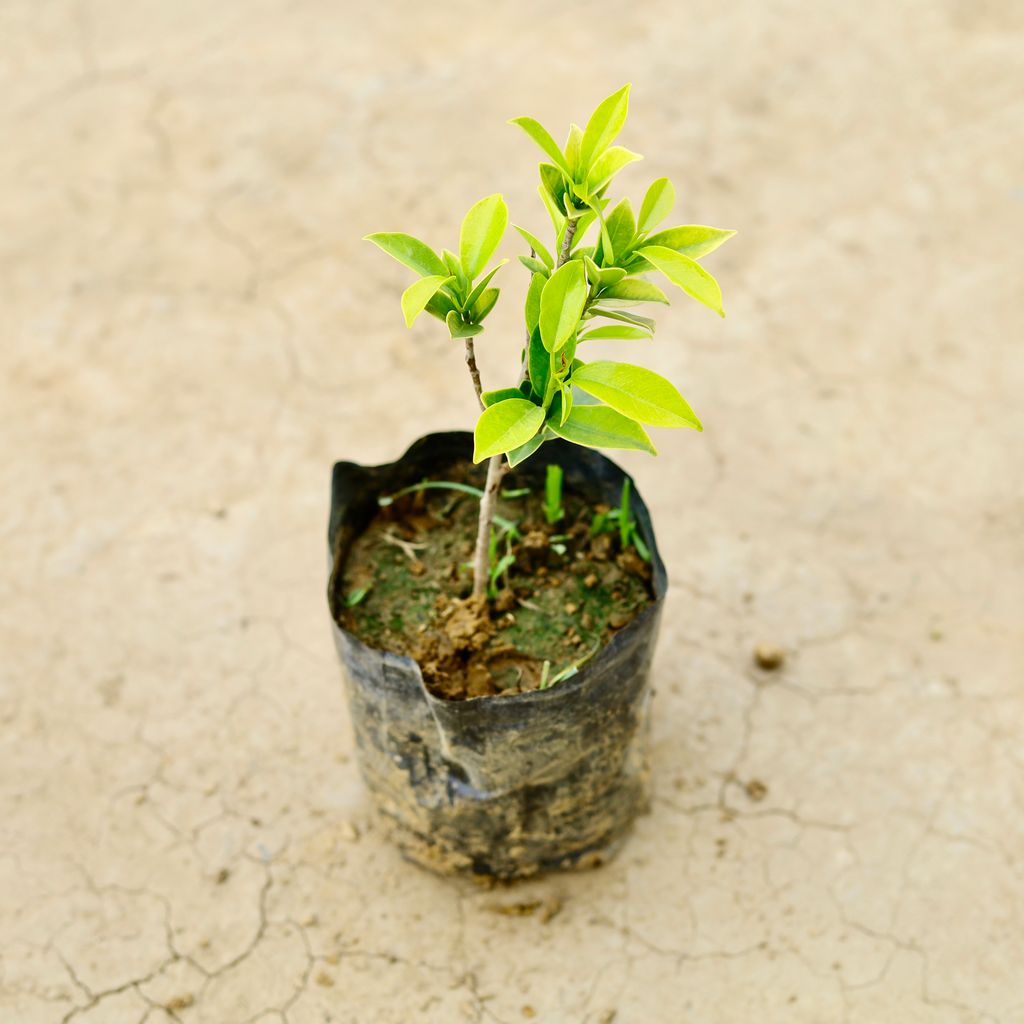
x: 192, y: 332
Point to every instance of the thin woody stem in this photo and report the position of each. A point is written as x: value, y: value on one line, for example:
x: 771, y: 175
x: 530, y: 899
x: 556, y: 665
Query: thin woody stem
x: 474, y: 371
x: 497, y: 467
x: 496, y: 470
x: 570, y: 234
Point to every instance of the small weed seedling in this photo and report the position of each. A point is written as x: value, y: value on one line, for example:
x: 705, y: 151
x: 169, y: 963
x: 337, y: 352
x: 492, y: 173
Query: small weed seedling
x: 499, y: 567
x: 356, y: 597
x: 553, y: 511
x: 581, y: 289
x: 621, y: 518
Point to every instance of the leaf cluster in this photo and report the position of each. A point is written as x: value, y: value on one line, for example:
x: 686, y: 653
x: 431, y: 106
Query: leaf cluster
x: 585, y: 287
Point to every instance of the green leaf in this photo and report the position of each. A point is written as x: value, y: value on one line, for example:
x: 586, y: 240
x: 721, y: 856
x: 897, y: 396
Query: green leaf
x: 500, y: 395
x: 604, y: 250
x: 553, y: 183
x: 418, y: 294
x: 440, y: 305
x: 636, y: 392
x: 572, y: 149
x: 566, y: 396
x: 657, y: 205
x: 554, y: 210
x: 693, y: 240
x: 688, y: 274
x: 622, y: 331
x: 482, y: 229
x: 597, y: 426
x: 561, y: 304
x: 537, y: 283
x: 634, y: 290
x: 484, y: 282
x: 524, y: 451
x: 621, y: 230
x: 534, y: 265
x: 411, y: 251
x: 458, y: 329
x: 537, y: 246
x: 484, y: 304
x: 605, y: 123
x: 540, y: 135
x: 627, y: 318
x: 538, y: 365
x: 602, y: 277
x: 608, y: 165
x: 505, y: 426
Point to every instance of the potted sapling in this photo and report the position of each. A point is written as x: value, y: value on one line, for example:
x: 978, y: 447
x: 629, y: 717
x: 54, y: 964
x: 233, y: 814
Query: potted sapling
x: 496, y: 594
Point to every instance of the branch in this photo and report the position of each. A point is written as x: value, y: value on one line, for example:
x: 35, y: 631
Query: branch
x: 474, y: 371
x: 570, y: 234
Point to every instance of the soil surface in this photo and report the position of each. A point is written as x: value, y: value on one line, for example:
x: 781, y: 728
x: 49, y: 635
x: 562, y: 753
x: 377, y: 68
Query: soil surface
x: 563, y: 597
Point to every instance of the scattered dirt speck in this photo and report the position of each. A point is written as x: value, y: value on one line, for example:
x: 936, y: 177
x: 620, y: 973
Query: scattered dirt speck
x: 769, y: 657
x: 756, y: 790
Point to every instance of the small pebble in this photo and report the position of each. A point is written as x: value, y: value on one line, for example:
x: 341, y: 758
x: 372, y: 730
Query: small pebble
x: 571, y: 608
x: 756, y: 790
x: 617, y: 620
x: 769, y: 657
x: 590, y: 581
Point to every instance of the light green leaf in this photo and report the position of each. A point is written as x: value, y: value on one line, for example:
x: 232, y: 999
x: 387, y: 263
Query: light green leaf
x: 566, y: 396
x: 554, y: 210
x: 627, y: 318
x: 484, y: 304
x: 418, y: 294
x: 538, y: 364
x: 458, y: 329
x: 688, y: 274
x: 553, y: 184
x: 482, y: 229
x: 657, y: 205
x: 605, y: 123
x: 505, y: 426
x: 602, y: 277
x: 621, y: 331
x: 500, y: 395
x: 561, y: 304
x: 534, y: 265
x: 621, y: 230
x: 484, y: 282
x: 440, y: 305
x: 597, y: 426
x: 411, y: 251
x: 540, y: 135
x: 608, y: 164
x: 693, y: 240
x: 533, y: 302
x: 636, y: 392
x: 537, y: 246
x: 572, y: 149
x: 634, y: 290
x: 524, y: 451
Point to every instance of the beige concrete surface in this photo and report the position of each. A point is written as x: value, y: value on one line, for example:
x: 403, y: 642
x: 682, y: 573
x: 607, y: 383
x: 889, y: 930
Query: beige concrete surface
x: 191, y: 332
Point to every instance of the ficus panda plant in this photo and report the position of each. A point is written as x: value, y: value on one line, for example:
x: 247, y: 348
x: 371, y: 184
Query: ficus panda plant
x: 583, y: 288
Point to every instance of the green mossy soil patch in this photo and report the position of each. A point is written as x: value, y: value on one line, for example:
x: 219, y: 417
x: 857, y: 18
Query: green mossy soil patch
x: 560, y: 608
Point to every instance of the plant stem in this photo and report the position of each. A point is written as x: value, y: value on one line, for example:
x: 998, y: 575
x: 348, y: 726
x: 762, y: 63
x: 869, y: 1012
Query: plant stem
x: 497, y: 467
x: 496, y: 470
x: 570, y: 234
x: 474, y: 371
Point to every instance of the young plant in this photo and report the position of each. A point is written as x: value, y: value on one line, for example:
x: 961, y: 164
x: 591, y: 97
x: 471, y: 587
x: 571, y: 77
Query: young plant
x: 580, y: 290
x: 553, y: 510
x: 622, y: 519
